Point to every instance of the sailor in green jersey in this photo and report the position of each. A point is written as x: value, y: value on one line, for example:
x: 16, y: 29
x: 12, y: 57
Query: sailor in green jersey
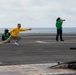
x: 5, y: 35
x: 59, y: 23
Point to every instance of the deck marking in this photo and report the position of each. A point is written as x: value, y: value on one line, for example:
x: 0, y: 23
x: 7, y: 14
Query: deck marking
x: 61, y: 42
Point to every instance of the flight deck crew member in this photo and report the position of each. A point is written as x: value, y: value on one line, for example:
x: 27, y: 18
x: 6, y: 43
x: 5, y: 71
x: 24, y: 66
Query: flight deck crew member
x: 59, y: 23
x: 14, y: 34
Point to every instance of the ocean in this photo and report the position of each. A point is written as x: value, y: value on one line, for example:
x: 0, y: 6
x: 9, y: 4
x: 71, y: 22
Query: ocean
x: 46, y: 30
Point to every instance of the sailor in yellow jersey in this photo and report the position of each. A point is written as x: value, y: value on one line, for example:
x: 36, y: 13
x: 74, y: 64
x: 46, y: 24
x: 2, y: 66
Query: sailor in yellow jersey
x: 14, y: 34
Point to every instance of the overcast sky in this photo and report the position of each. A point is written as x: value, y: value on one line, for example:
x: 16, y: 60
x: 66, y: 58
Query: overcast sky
x: 37, y: 13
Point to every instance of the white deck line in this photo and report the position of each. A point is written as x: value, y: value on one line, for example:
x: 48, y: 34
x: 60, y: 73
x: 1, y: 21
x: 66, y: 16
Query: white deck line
x: 44, y: 42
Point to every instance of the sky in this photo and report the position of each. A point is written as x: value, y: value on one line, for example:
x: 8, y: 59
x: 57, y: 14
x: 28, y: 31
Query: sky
x: 37, y: 13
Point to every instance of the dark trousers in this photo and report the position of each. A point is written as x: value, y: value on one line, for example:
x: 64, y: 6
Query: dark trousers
x: 59, y: 33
